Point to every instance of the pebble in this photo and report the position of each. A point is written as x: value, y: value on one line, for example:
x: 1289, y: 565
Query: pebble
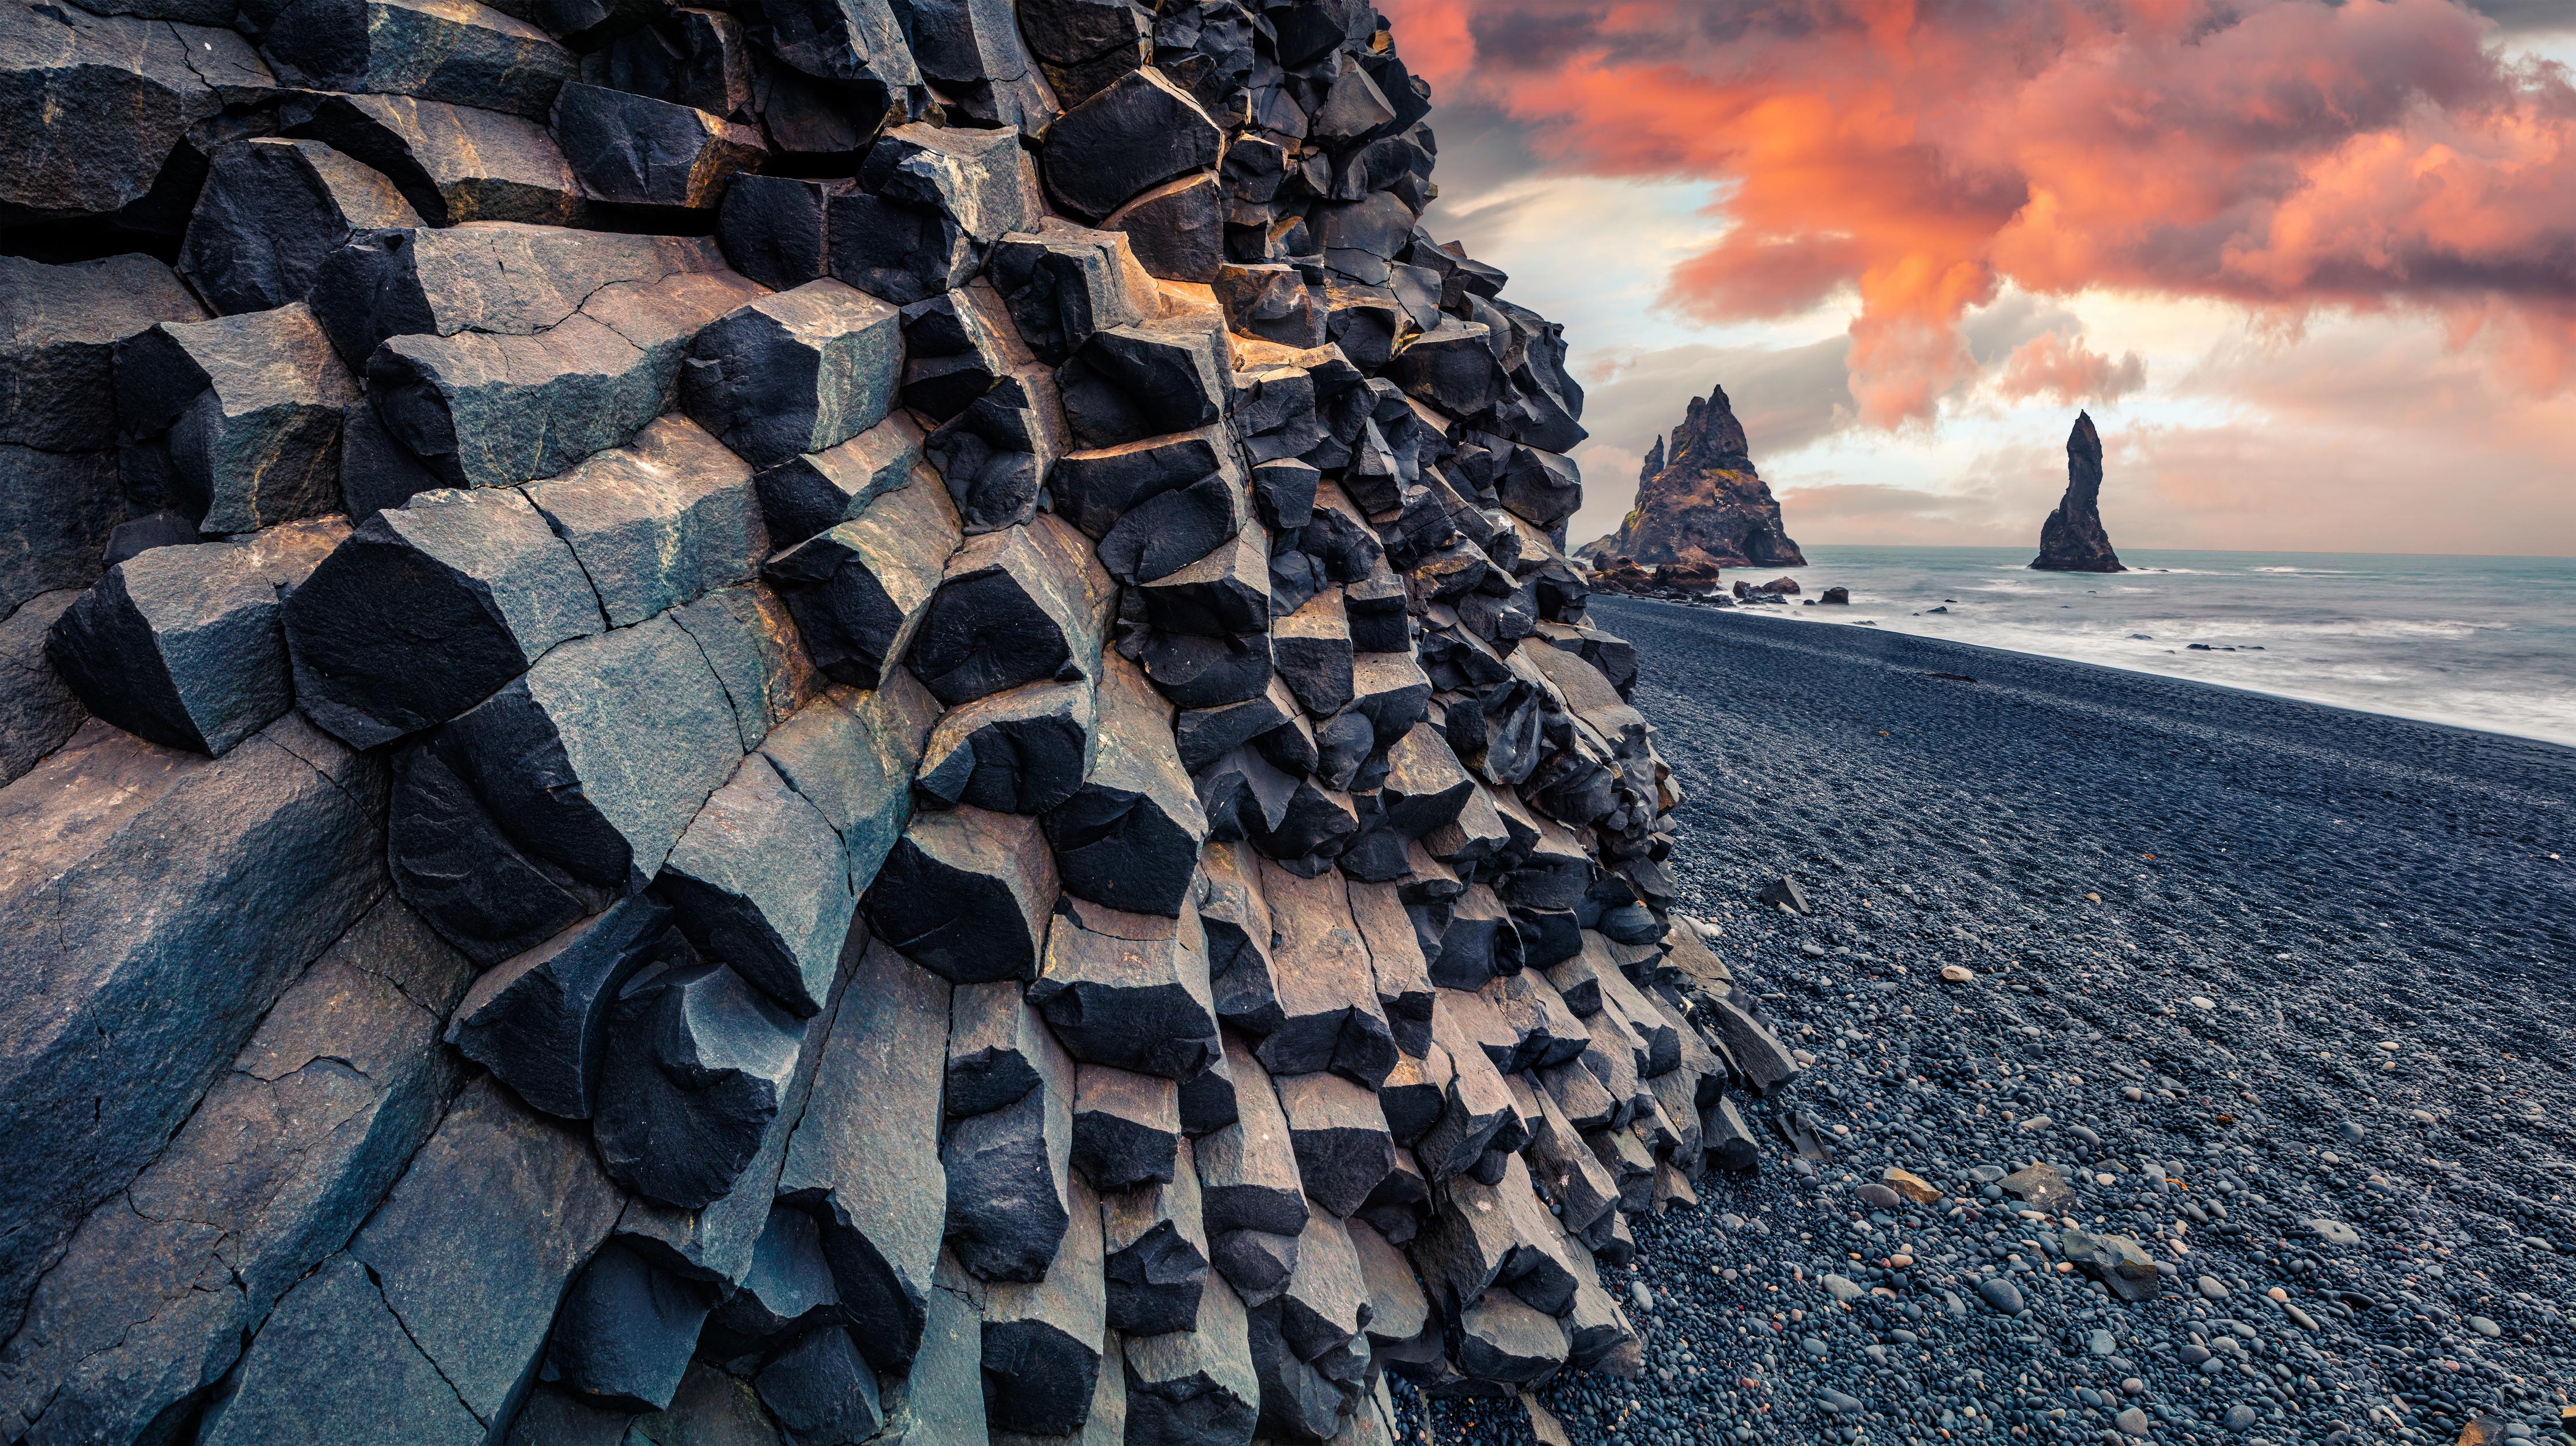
x: 1957, y: 973
x: 2486, y: 1327
x: 2241, y: 1418
x: 1645, y: 1298
x: 2132, y: 1422
x: 1843, y: 1289
x: 2203, y: 1001
x: 2211, y: 1287
x: 2099, y: 1342
x: 2001, y: 1294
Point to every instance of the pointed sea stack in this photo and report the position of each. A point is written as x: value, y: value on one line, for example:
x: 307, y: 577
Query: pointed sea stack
x: 2072, y: 540
x: 1705, y: 503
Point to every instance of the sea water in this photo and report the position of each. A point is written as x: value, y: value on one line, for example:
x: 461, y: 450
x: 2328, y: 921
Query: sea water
x: 2477, y: 642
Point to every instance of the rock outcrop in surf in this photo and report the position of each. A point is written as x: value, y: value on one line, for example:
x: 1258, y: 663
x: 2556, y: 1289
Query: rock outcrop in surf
x: 1703, y: 503
x: 2073, y: 540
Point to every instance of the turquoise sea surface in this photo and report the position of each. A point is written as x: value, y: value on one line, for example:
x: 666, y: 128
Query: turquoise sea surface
x: 2476, y: 642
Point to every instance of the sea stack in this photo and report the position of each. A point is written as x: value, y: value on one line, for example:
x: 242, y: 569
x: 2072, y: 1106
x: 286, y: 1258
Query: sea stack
x: 2072, y: 540
x: 1703, y: 503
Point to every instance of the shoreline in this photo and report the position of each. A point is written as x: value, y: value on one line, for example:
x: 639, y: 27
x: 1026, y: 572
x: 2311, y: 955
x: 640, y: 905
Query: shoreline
x: 1788, y: 616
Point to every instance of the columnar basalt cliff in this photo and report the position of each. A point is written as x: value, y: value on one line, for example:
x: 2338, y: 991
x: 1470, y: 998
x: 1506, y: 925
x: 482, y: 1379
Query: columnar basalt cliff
x: 1704, y: 504
x: 803, y: 725
x: 2073, y: 539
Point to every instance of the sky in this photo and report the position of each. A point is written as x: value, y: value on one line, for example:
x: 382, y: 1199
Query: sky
x: 2310, y: 265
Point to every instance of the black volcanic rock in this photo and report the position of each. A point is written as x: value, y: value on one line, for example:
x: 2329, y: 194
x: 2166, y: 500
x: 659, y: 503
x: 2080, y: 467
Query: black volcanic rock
x: 2072, y: 540
x: 1705, y: 502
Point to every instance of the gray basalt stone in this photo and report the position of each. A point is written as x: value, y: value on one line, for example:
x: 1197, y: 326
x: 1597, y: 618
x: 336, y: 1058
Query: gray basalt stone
x: 1009, y: 1182
x: 1146, y: 379
x: 941, y: 1402
x: 1044, y: 1338
x: 1730, y: 1143
x: 485, y: 410
x: 1177, y: 229
x: 820, y: 1389
x: 812, y: 492
x: 1134, y: 133
x: 179, y: 645
x: 128, y: 866
x: 999, y: 1048
x: 1017, y: 606
x: 1128, y: 990
x: 38, y: 711
x: 1328, y: 1001
x: 848, y: 753
x: 336, y: 1322
x: 1340, y: 1137
x: 776, y: 229
x: 693, y: 57
x: 451, y: 861
x: 759, y: 880
x: 1157, y: 1251
x: 597, y: 758
x: 859, y: 40
x: 271, y: 210
x: 59, y: 326
x: 750, y: 643
x: 795, y: 372
x: 1126, y: 1127
x: 972, y: 49
x: 659, y: 522
x: 1248, y: 1170
x: 58, y: 512
x: 500, y: 277
x: 1404, y: 989
x: 864, y: 1159
x: 1097, y: 487
x: 635, y: 150
x: 247, y: 411
x: 1313, y: 648
x: 1129, y: 837
x: 1501, y: 1339
x: 787, y: 1288
x: 623, y: 1335
x: 895, y: 252
x: 1025, y: 750
x: 1064, y: 283
x: 997, y: 453
x: 98, y: 106
x: 980, y: 179
x: 696, y: 1067
x: 445, y: 50
x: 539, y: 1021
x: 1194, y: 1386
x: 1478, y: 1103
x: 275, y: 1168
x: 967, y: 894
x: 455, y: 164
x: 861, y: 588
x: 1414, y: 1094
x: 1082, y: 45
x: 475, y: 1245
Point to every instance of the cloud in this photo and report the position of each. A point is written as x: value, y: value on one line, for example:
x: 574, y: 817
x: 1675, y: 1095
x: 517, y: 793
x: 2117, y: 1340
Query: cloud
x: 1928, y: 158
x: 2063, y: 367
x: 1787, y: 397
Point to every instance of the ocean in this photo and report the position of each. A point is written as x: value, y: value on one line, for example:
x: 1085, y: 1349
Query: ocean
x: 2476, y: 642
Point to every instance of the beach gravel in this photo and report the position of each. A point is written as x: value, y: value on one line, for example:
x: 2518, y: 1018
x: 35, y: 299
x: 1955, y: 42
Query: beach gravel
x: 2281, y: 991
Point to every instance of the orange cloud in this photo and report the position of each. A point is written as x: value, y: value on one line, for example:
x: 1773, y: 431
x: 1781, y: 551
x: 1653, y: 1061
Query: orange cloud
x: 2286, y: 155
x: 2050, y: 365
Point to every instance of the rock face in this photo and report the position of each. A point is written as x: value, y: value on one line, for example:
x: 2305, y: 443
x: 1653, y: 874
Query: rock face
x: 980, y: 807
x: 2073, y: 540
x: 1702, y: 503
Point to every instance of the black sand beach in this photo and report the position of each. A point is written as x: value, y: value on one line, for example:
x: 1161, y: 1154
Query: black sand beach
x: 2241, y: 964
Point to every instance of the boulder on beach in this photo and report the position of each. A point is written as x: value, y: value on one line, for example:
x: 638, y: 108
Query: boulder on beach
x: 2072, y: 540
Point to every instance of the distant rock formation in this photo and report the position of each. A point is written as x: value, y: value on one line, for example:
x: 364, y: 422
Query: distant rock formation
x: 1704, y: 504
x: 2072, y: 540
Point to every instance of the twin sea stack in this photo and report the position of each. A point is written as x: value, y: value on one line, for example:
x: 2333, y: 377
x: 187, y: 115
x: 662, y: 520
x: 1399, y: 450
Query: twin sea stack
x: 1704, y: 503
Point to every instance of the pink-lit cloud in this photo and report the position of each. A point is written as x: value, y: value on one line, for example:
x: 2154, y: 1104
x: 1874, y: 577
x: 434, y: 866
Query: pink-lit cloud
x: 1918, y: 155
